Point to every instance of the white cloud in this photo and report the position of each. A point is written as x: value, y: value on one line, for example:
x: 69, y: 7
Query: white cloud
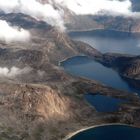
x: 9, y: 33
x: 35, y: 9
x: 54, y: 16
x: 95, y: 6
x: 13, y: 72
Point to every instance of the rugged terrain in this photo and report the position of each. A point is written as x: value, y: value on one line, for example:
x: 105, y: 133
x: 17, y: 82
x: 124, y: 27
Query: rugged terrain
x: 43, y: 102
x: 84, y: 22
x: 128, y: 66
x: 107, y: 22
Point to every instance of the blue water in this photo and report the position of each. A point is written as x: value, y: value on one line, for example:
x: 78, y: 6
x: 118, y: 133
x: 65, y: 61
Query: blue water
x: 106, y: 41
x: 112, y: 132
x: 110, y: 41
x: 86, y: 67
x: 104, y: 103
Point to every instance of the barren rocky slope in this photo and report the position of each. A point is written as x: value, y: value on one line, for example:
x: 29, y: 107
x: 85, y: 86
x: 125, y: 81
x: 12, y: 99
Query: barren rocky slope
x: 127, y: 65
x: 45, y: 103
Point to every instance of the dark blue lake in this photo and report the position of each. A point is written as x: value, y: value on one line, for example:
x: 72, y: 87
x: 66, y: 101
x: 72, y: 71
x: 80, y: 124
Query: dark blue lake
x: 110, y: 41
x: 110, y: 132
x: 86, y: 67
x: 104, y: 103
x: 105, y: 41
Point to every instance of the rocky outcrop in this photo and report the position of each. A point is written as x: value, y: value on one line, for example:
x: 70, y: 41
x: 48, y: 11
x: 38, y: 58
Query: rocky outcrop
x: 128, y: 66
x: 25, y: 21
x: 36, y: 111
x: 133, y: 69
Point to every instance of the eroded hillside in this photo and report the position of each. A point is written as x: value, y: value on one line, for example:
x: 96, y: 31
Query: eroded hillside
x: 39, y: 100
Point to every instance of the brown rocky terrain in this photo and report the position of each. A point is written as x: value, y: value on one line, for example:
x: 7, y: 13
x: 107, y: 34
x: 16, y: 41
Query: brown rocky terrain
x: 44, y: 102
x: 52, y: 110
x: 127, y: 65
x: 95, y: 22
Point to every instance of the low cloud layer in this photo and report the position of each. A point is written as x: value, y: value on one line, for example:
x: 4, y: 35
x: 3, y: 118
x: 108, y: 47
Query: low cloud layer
x: 52, y: 11
x: 94, y: 6
x: 45, y: 12
x: 13, y: 72
x: 9, y: 33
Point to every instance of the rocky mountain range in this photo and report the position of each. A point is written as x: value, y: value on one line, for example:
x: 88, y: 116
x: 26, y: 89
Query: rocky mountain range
x: 90, y: 22
x: 82, y: 22
x: 38, y: 99
x: 38, y: 96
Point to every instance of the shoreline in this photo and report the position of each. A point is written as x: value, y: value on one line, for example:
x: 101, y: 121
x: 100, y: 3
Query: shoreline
x: 70, y: 135
x: 59, y: 63
x: 101, y: 29
x: 100, y: 125
x: 83, y: 77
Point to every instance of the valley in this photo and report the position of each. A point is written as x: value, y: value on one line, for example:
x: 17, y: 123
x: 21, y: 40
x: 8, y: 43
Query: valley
x: 40, y: 100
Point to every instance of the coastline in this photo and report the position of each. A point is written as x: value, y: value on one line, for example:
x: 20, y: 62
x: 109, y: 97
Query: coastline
x: 83, y: 77
x: 70, y: 135
x: 59, y: 63
x: 100, y: 29
x: 100, y: 125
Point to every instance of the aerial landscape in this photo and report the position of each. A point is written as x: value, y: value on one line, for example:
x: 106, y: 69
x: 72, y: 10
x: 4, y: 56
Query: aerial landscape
x: 69, y: 69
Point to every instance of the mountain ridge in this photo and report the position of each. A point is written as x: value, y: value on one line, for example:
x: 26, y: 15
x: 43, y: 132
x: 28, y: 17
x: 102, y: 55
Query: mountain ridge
x: 46, y: 102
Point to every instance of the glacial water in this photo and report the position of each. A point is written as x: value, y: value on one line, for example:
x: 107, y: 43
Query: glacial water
x: 109, y: 132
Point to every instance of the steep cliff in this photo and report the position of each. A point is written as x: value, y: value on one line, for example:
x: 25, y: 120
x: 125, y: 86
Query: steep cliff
x: 128, y: 66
